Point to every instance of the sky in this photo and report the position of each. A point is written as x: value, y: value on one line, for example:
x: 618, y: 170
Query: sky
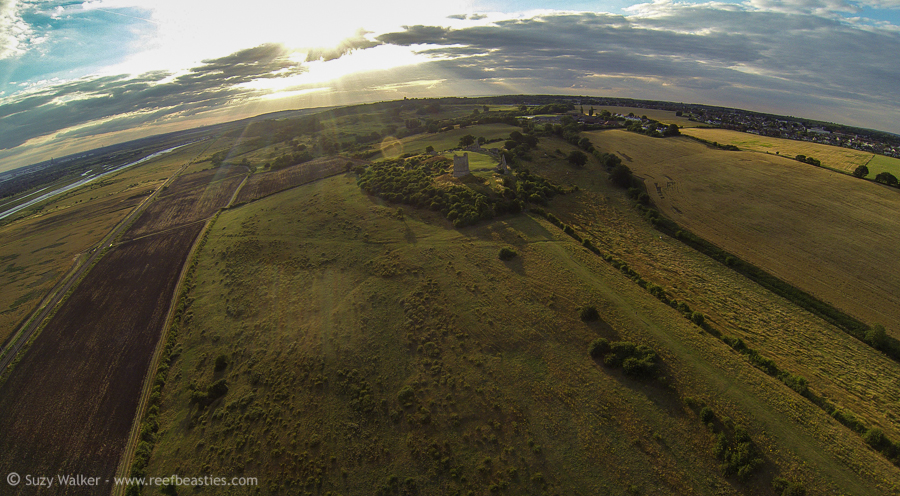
x: 76, y: 75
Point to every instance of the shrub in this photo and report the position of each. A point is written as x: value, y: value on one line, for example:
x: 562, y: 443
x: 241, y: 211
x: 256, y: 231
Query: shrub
x: 507, y: 254
x: 598, y: 347
x: 589, y: 314
x: 698, y: 318
x: 875, y: 438
x: 221, y: 363
x: 405, y: 396
x: 861, y: 171
x: 707, y: 415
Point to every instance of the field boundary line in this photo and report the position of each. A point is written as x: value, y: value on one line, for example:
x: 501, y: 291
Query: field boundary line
x: 127, y: 458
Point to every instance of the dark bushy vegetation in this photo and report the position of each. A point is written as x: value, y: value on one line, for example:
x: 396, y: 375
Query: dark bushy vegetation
x: 635, y: 360
x: 507, y: 254
x: 808, y: 160
x: 410, y: 181
x: 861, y: 171
x: 886, y: 178
x: 590, y: 314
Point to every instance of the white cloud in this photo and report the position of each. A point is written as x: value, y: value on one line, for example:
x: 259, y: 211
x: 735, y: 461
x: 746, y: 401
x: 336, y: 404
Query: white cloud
x: 14, y: 32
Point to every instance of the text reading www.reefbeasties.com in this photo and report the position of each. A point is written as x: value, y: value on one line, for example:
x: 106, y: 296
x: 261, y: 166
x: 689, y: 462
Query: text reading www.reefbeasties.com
x: 29, y: 480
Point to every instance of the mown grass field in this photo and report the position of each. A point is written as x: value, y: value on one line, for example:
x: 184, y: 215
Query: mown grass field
x: 842, y: 159
x: 828, y: 234
x: 880, y: 163
x: 372, y: 352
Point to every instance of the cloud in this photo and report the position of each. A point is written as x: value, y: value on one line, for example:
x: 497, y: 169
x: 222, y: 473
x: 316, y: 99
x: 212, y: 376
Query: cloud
x: 104, y: 104
x: 358, y: 42
x: 721, y: 54
x: 14, y: 32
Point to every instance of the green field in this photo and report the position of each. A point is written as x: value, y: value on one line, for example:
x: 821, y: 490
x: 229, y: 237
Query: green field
x: 880, y: 163
x: 369, y: 352
x: 449, y: 140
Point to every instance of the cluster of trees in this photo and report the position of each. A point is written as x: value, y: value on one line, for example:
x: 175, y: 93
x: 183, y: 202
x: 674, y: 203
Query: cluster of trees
x: 410, y: 181
x: 520, y: 144
x: 808, y: 160
x: 635, y: 360
x: 654, y: 128
x: 886, y: 178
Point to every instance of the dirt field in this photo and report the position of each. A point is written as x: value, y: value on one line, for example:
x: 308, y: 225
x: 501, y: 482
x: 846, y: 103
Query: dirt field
x: 828, y: 234
x: 844, y: 159
x: 68, y: 405
x: 47, y: 244
x: 190, y: 198
x: 260, y: 185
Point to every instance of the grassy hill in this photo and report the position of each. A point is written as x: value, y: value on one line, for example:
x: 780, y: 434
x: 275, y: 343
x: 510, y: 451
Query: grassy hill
x: 367, y: 351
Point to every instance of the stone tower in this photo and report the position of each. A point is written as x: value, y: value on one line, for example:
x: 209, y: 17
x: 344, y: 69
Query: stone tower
x: 502, y: 168
x: 460, y: 165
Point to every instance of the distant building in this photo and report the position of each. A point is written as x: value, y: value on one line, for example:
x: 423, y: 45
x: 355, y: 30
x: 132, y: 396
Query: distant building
x: 460, y: 165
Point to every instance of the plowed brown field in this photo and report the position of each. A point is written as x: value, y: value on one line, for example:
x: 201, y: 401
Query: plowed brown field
x: 260, y: 185
x: 68, y: 406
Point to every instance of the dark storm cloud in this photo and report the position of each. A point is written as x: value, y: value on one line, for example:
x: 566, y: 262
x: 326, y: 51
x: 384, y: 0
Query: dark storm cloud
x: 118, y: 102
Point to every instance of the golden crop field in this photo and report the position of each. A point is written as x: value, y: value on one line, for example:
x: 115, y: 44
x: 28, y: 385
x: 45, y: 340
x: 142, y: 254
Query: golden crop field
x: 826, y: 233
x: 835, y: 157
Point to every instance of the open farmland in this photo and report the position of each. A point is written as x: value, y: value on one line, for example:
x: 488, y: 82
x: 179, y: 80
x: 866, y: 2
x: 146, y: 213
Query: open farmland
x: 449, y: 140
x: 191, y: 198
x: 834, y: 157
x: 260, y: 185
x: 67, y: 407
x: 880, y: 163
x: 48, y: 242
x: 828, y: 234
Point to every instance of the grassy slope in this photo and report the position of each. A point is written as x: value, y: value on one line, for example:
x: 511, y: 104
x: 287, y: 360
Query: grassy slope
x: 844, y: 369
x: 826, y: 233
x: 843, y: 159
x: 326, y: 304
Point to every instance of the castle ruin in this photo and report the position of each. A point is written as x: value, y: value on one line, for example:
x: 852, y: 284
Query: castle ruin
x: 460, y: 165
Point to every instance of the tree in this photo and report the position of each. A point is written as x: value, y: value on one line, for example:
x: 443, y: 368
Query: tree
x: 507, y: 254
x: 577, y: 158
x: 481, y: 140
x: 585, y: 144
x: 466, y: 140
x: 591, y: 111
x: 486, y: 108
x: 861, y: 171
x: 877, y: 337
x: 886, y: 178
x: 621, y: 175
x: 429, y: 149
x: 672, y: 130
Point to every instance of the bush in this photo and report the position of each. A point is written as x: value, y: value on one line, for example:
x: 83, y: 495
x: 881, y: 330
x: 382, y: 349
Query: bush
x: 598, y: 348
x: 221, y: 363
x: 577, y: 158
x: 589, y: 314
x: 707, y: 415
x: 405, y: 396
x: 861, y: 171
x: 621, y: 176
x: 507, y: 254
x: 698, y: 318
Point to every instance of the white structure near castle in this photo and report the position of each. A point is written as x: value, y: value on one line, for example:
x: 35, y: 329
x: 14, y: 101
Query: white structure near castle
x: 460, y: 165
